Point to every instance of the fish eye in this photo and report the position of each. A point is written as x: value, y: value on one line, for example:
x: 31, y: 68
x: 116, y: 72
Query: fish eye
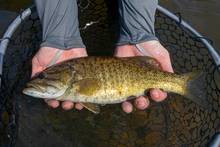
x: 41, y: 75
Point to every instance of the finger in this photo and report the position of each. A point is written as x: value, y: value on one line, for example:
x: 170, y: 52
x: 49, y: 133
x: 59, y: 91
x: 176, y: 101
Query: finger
x: 67, y: 105
x: 156, y: 50
x: 158, y: 95
x: 142, y: 102
x: 78, y: 106
x: 52, y: 103
x: 127, y: 107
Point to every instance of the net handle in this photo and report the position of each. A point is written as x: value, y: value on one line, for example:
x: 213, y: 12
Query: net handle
x: 8, y: 34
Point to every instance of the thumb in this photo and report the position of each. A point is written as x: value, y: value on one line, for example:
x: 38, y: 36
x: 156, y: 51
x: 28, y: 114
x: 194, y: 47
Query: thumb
x: 36, y: 67
x: 165, y: 63
x: 157, y: 51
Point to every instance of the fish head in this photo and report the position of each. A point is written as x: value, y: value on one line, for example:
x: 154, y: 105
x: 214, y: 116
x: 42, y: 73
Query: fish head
x: 48, y: 85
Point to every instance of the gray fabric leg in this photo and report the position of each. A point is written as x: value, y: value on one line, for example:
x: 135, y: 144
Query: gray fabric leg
x: 60, y: 24
x: 136, y: 18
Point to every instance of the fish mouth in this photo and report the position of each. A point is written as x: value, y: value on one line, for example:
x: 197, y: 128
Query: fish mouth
x: 36, y: 87
x: 30, y: 92
x: 38, y: 91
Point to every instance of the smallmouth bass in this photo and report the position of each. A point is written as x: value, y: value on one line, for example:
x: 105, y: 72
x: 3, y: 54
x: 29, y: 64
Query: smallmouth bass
x: 109, y: 80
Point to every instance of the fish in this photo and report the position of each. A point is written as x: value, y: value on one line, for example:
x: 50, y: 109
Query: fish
x: 98, y: 80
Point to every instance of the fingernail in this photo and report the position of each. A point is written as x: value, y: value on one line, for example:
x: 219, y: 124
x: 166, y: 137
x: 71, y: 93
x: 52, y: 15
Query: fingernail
x: 139, y: 102
x: 67, y: 105
x: 78, y: 106
x: 52, y: 103
x: 155, y: 94
x: 127, y: 107
x: 142, y: 103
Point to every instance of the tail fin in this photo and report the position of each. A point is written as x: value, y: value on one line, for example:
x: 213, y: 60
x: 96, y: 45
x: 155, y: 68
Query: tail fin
x: 196, y: 89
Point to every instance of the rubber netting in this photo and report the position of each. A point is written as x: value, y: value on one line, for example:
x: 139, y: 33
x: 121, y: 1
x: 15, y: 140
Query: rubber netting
x: 25, y: 121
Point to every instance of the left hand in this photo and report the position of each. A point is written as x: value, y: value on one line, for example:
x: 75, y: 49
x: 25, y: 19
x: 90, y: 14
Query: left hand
x: 155, y: 50
x: 44, y: 57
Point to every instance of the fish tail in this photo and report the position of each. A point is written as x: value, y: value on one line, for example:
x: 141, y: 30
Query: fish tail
x: 196, y: 88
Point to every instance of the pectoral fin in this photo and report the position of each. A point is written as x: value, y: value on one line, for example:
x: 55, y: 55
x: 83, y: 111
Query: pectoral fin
x: 88, y: 87
x: 91, y: 107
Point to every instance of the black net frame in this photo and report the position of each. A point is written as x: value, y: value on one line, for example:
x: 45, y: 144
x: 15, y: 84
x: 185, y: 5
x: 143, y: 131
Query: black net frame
x: 188, y: 53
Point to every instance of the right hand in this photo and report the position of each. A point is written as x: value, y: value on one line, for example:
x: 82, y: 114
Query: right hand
x: 43, y: 58
x: 156, y: 50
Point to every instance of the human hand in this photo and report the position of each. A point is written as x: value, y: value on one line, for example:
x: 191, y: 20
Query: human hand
x: 44, y: 57
x: 155, y: 50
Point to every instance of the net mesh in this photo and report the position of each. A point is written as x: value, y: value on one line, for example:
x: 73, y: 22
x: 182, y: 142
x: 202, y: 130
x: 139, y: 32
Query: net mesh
x: 176, y: 121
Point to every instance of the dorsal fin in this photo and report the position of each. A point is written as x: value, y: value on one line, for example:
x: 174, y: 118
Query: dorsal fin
x: 144, y: 61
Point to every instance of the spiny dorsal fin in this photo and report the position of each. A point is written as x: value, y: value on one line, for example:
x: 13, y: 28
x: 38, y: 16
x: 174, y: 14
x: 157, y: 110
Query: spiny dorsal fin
x: 144, y: 61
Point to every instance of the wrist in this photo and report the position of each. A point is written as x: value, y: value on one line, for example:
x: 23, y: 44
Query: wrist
x: 70, y: 51
x: 74, y: 52
x: 45, y: 55
x: 125, y: 50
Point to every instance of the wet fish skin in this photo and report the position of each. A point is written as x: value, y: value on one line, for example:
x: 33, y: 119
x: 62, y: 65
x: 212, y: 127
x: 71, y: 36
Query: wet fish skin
x: 107, y: 80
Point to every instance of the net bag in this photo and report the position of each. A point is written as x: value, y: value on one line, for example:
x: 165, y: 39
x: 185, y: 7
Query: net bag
x: 25, y: 121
